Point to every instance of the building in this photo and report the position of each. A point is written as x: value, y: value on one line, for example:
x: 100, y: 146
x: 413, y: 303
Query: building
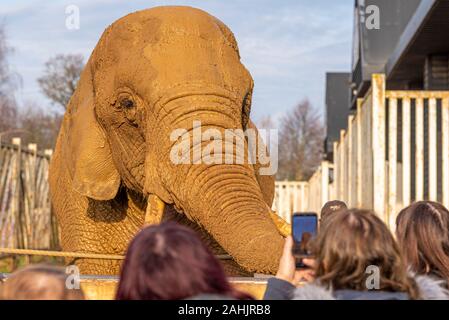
x: 409, y: 46
x: 337, y: 108
x: 393, y: 148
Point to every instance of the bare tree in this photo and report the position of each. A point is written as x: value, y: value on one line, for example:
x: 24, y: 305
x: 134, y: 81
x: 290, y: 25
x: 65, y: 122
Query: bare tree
x: 9, y: 81
x: 29, y: 122
x: 301, y: 138
x: 60, y: 78
x: 38, y: 126
x: 265, y: 122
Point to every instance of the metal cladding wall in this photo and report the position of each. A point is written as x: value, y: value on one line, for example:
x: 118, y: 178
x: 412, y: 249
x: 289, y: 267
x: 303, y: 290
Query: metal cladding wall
x: 372, y: 46
x: 337, y: 106
x: 378, y: 44
x: 420, y: 60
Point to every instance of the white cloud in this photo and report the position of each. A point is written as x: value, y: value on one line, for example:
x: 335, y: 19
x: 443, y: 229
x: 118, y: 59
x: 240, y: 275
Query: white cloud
x: 287, y: 45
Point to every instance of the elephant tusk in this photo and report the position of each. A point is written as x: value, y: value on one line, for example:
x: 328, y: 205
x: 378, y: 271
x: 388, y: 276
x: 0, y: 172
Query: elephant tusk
x: 282, y: 225
x: 154, y: 211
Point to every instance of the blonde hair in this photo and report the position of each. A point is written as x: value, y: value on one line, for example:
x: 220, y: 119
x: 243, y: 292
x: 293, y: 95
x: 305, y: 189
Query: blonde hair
x: 350, y: 242
x: 38, y: 282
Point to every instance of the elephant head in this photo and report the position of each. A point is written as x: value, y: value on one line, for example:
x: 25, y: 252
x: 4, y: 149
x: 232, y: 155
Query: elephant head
x: 153, y: 72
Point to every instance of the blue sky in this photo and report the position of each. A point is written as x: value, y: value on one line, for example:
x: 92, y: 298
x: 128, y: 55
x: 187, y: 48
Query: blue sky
x: 287, y: 45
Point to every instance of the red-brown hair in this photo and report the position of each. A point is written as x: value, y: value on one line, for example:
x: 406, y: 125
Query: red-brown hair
x: 169, y: 262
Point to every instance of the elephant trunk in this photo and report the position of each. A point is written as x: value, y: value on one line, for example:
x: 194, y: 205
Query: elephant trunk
x: 228, y: 202
x: 224, y: 198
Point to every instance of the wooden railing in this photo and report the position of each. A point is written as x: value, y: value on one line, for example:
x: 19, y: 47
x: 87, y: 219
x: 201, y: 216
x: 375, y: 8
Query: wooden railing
x: 26, y: 220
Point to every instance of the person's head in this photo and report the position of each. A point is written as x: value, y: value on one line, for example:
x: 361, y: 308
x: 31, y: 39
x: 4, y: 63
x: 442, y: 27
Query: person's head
x: 422, y: 231
x: 332, y: 207
x: 352, y: 241
x: 169, y: 262
x: 39, y: 282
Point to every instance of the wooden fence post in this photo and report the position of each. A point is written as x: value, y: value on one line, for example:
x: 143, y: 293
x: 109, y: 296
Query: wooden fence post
x: 359, y: 162
x: 324, y: 182
x: 349, y: 162
x: 392, y: 161
x: 378, y: 141
x: 406, y: 158
x: 304, y: 203
x: 30, y: 212
x: 445, y: 150
x: 336, y: 181
x: 15, y: 206
x: 342, y: 166
x: 419, y: 150
x: 432, y: 148
x: 21, y: 237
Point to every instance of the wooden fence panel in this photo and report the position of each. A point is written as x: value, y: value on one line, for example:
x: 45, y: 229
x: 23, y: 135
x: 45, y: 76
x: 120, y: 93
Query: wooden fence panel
x: 290, y: 197
x: 359, y: 161
x: 379, y: 145
x: 374, y: 160
x: 25, y: 212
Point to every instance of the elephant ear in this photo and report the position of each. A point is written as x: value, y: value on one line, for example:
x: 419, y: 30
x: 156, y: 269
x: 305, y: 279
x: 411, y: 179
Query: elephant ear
x: 86, y: 149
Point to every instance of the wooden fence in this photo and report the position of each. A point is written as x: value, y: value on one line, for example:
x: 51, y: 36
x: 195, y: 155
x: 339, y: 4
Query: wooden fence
x: 290, y: 196
x: 302, y: 196
x: 394, y: 151
x: 26, y: 220
x: 320, y: 187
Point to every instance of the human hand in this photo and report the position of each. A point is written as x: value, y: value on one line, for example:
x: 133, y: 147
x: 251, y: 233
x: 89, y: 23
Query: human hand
x: 306, y: 274
x: 287, y: 266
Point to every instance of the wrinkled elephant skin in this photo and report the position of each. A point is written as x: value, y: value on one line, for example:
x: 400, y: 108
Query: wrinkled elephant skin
x: 154, y: 71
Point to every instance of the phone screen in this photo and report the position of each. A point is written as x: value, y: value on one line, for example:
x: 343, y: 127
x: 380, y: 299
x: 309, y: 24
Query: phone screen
x: 304, y: 229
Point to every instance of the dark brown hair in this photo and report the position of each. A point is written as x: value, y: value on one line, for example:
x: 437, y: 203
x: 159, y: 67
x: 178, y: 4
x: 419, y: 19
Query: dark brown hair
x: 351, y: 241
x: 169, y: 262
x: 332, y: 207
x: 422, y: 230
x: 39, y: 282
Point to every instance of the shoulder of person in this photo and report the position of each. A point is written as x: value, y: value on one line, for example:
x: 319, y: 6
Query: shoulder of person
x: 278, y: 289
x: 312, y: 291
x: 431, y: 288
x: 315, y: 291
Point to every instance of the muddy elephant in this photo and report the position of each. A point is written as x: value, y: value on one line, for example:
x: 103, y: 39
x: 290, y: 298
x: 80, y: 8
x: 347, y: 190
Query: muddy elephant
x: 154, y: 71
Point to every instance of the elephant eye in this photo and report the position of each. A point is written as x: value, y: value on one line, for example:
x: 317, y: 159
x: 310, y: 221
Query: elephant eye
x: 127, y: 103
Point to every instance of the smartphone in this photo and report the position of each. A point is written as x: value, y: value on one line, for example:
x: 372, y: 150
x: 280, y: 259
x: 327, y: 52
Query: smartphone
x: 304, y: 230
